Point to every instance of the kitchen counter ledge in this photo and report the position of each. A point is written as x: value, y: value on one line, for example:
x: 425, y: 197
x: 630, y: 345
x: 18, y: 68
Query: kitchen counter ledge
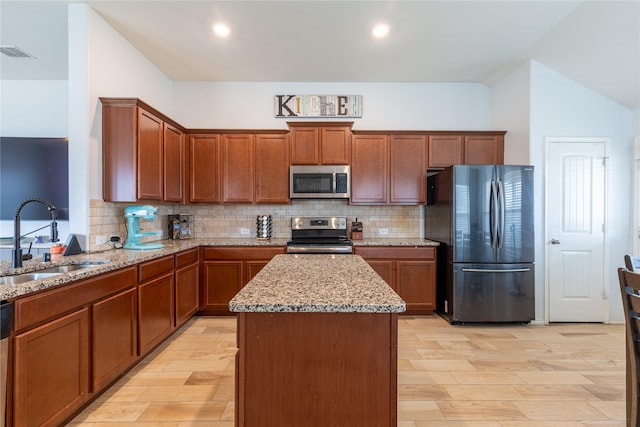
x: 378, y: 241
x: 120, y: 258
x: 317, y: 283
x: 109, y: 260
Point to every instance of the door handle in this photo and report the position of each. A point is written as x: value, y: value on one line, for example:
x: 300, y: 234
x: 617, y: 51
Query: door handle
x: 555, y: 241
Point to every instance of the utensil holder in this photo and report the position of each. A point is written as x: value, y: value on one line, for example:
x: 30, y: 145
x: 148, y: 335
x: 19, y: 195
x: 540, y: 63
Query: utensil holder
x: 263, y: 227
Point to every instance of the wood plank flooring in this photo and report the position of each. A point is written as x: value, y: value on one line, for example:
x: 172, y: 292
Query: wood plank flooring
x: 561, y: 375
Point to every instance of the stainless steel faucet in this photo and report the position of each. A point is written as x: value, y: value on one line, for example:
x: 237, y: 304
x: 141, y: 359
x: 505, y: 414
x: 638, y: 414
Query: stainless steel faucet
x: 16, y: 252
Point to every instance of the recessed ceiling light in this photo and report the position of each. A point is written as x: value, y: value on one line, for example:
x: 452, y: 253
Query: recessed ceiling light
x: 221, y: 30
x: 380, y: 31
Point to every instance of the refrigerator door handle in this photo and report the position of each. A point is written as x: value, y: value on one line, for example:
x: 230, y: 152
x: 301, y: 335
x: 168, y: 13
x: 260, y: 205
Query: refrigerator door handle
x: 500, y: 227
x: 493, y: 226
x: 483, y: 270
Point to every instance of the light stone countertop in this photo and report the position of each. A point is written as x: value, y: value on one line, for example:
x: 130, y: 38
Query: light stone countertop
x: 109, y: 260
x: 119, y: 258
x: 317, y: 283
x: 379, y: 241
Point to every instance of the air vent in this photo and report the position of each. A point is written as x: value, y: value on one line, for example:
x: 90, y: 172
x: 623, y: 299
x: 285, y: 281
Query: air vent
x: 15, y: 52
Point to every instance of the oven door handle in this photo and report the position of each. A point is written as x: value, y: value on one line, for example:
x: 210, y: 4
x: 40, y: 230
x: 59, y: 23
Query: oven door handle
x: 337, y: 249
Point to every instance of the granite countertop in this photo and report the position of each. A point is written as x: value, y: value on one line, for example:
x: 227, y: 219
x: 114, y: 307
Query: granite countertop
x: 119, y: 258
x: 106, y: 261
x: 395, y: 242
x: 317, y: 283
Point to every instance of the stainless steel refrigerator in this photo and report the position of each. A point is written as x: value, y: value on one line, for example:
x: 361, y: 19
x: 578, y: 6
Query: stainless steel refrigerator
x: 483, y: 217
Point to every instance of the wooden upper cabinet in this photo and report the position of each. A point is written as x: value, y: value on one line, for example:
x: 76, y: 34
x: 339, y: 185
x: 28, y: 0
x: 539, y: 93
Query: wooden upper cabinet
x: 444, y: 150
x: 237, y: 167
x: 272, y: 168
x: 388, y: 169
x: 320, y: 144
x: 133, y: 152
x: 174, y: 164
x: 466, y: 148
x: 483, y: 149
x: 408, y: 171
x: 305, y: 149
x: 369, y: 169
x: 150, y: 160
x: 335, y: 145
x: 203, y: 168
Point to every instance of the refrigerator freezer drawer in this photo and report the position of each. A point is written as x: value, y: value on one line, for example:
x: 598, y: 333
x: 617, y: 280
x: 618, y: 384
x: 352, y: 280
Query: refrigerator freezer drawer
x: 492, y: 293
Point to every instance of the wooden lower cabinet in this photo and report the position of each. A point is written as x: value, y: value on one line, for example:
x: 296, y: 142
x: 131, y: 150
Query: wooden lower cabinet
x: 73, y: 341
x: 156, y: 304
x: 187, y: 284
x: 114, y: 337
x: 415, y: 283
x: 226, y: 269
x: 385, y: 269
x: 222, y: 280
x: 253, y: 267
x: 51, y: 376
x: 155, y: 312
x: 316, y: 370
x: 410, y: 271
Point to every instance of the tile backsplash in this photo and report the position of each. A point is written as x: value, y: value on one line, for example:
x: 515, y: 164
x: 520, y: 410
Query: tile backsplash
x: 227, y: 221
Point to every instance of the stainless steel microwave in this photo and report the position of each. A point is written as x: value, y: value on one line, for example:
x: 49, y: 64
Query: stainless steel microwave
x: 319, y: 182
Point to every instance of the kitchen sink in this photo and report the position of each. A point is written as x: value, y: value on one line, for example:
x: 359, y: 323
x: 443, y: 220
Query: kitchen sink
x: 46, y: 273
x: 69, y: 267
x: 26, y: 277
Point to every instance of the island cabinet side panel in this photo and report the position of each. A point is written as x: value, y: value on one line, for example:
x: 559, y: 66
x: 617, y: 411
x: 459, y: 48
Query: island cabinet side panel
x: 317, y: 370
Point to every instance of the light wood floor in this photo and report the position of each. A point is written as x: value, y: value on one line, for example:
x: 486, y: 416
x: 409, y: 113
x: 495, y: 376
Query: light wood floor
x: 561, y: 375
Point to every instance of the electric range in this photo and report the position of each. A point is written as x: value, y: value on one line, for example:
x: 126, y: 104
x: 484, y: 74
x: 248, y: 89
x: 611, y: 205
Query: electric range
x: 319, y: 235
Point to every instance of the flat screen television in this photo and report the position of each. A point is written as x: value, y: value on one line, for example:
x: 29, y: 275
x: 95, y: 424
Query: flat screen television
x: 34, y: 167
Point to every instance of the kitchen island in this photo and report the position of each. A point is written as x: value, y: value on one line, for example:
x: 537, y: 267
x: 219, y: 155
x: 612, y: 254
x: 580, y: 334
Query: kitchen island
x: 317, y: 345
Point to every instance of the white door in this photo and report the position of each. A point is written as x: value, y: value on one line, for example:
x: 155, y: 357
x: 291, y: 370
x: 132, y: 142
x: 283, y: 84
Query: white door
x: 575, y: 230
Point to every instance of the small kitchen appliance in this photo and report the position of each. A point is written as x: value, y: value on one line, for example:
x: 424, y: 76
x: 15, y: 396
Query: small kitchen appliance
x: 319, y: 182
x: 319, y: 235
x: 133, y: 214
x: 180, y: 226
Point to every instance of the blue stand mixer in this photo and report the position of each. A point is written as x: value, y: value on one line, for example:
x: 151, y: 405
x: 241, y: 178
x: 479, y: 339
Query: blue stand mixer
x: 133, y: 215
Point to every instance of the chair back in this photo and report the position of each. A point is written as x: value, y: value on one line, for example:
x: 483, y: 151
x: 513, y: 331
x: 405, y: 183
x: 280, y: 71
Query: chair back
x: 630, y: 291
x: 632, y: 263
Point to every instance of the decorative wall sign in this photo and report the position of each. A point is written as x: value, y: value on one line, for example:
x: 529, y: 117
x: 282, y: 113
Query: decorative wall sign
x: 289, y: 106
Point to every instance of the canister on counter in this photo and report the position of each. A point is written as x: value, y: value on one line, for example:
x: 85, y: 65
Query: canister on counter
x: 263, y: 227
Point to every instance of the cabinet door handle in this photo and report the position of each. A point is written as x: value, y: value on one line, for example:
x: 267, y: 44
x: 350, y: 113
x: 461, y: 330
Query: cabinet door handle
x: 555, y: 241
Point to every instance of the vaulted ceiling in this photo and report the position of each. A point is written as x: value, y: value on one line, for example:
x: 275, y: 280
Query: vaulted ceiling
x: 595, y: 43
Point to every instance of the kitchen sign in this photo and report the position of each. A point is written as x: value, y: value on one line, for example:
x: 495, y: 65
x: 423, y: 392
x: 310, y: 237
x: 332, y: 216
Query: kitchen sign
x: 288, y: 106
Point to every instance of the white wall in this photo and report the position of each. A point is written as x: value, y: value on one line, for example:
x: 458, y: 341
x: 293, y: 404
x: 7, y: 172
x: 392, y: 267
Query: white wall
x: 101, y: 64
x: 34, y: 108
x: 562, y: 107
x: 510, y: 99
x: 388, y: 106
